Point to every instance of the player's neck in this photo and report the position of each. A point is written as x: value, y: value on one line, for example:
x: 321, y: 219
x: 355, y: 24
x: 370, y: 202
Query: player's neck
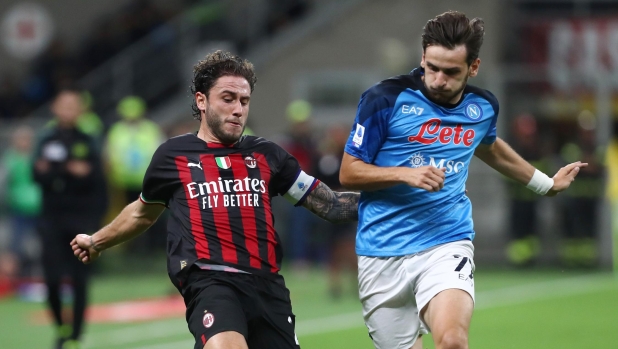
x: 207, y: 136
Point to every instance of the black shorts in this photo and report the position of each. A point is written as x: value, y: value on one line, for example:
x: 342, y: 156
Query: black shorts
x: 256, y: 307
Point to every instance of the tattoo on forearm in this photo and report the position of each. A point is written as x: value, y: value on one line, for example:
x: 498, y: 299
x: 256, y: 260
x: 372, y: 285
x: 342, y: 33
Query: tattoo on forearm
x: 336, y: 207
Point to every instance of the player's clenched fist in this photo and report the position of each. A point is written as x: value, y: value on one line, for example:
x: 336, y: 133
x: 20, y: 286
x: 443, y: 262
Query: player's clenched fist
x: 427, y: 177
x: 84, y: 249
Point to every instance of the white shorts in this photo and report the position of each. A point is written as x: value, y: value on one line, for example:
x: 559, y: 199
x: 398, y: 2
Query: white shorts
x: 393, y: 290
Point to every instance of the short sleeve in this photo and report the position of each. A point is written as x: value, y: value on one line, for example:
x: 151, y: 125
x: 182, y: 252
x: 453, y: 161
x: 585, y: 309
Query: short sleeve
x: 490, y: 136
x: 371, y: 123
x: 161, y: 178
x: 291, y: 181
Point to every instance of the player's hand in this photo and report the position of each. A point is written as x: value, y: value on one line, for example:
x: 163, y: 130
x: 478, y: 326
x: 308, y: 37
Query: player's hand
x: 83, y: 249
x: 565, y: 176
x: 429, y: 178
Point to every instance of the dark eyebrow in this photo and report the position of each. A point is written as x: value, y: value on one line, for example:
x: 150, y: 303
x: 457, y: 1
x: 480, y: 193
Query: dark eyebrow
x: 235, y: 94
x: 452, y: 70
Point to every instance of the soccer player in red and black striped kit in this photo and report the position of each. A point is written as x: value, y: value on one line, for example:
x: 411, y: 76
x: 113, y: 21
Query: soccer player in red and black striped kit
x: 223, y: 252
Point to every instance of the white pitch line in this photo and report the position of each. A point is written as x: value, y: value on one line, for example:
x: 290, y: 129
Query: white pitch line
x: 485, y: 300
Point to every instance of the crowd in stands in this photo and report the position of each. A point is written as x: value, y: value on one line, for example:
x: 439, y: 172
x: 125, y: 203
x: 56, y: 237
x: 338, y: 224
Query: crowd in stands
x: 59, y: 67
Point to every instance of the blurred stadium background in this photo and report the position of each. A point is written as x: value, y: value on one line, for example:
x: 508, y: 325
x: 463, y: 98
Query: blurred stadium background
x: 545, y: 267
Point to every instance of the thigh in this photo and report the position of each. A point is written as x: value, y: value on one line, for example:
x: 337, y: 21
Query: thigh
x: 273, y: 325
x: 389, y: 306
x: 449, y: 314
x: 212, y: 308
x: 449, y: 267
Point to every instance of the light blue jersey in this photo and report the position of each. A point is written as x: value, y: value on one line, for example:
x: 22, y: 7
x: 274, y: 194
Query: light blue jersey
x: 397, y: 125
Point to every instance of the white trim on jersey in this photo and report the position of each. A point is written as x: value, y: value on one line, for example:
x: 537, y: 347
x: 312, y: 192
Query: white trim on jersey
x: 303, y: 185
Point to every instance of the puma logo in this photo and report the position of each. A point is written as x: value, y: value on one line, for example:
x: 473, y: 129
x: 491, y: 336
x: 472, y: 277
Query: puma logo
x: 198, y: 165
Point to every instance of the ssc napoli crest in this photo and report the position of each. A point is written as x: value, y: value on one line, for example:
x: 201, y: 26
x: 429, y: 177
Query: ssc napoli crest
x: 473, y: 111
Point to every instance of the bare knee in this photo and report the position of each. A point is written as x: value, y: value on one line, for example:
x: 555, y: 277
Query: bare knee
x: 453, y: 339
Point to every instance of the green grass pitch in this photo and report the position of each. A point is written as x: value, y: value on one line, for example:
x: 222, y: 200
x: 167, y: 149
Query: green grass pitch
x: 515, y: 309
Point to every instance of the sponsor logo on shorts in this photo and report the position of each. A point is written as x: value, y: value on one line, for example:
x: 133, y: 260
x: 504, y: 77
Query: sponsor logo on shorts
x: 208, y: 320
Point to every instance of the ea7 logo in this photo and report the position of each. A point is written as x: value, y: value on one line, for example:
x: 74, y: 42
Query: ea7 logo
x: 410, y: 109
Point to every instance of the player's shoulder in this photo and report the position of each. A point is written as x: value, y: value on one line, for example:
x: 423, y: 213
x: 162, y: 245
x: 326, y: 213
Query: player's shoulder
x: 180, y: 143
x: 485, y: 95
x: 393, y: 86
x: 256, y: 142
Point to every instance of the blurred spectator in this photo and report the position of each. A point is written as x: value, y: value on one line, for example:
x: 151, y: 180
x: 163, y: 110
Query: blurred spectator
x: 524, y: 245
x: 580, y: 203
x: 67, y: 166
x: 243, y: 24
x: 23, y: 198
x: 611, y: 162
x: 8, y: 269
x: 11, y: 101
x: 341, y: 237
x: 129, y: 146
x: 88, y: 122
x: 301, y: 144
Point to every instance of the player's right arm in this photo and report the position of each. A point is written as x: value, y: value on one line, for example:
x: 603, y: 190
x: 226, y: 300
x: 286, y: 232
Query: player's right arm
x: 134, y: 219
x: 356, y: 174
x: 160, y: 181
x: 370, y: 130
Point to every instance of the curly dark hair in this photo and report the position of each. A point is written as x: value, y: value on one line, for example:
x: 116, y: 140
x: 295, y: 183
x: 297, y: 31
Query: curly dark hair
x: 215, y: 65
x: 452, y: 29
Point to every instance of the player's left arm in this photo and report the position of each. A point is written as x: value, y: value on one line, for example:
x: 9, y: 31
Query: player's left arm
x: 501, y: 157
x: 333, y: 206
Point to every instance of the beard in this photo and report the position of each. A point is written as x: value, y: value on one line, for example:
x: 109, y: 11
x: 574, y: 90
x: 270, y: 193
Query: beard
x: 445, y: 97
x: 216, y: 124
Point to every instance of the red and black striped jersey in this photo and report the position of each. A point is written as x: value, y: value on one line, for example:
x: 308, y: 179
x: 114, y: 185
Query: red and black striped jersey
x: 220, y: 201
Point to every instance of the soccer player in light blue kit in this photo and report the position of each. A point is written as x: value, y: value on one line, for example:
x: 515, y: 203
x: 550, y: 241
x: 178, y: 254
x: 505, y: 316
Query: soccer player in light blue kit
x: 409, y: 152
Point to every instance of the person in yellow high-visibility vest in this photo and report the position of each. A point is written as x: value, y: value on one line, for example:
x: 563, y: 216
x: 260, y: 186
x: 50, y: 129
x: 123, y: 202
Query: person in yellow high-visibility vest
x: 129, y: 146
x: 611, y: 163
x: 579, y: 206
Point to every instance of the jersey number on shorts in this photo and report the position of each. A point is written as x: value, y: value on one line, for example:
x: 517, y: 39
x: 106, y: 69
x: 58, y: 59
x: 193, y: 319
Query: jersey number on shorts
x: 462, y: 264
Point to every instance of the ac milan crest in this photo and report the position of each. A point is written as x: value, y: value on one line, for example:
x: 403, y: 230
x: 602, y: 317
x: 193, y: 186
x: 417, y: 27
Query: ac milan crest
x: 250, y: 162
x: 208, y: 320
